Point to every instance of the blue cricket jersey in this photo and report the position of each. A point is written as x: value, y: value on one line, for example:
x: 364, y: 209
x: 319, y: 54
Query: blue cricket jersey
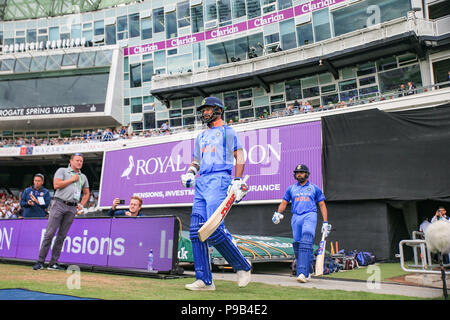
x: 304, y: 198
x: 214, y: 149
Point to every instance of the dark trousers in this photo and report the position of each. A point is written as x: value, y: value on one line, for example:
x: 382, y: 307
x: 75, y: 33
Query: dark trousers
x: 60, y: 219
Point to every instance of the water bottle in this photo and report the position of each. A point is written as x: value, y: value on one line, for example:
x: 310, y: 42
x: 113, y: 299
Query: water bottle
x: 150, y: 261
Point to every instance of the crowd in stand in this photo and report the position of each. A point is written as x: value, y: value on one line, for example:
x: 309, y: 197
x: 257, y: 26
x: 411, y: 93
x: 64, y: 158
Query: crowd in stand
x: 127, y: 132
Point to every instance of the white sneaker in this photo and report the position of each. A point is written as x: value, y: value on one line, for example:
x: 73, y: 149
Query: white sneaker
x: 199, y: 285
x: 243, y: 277
x: 302, y: 279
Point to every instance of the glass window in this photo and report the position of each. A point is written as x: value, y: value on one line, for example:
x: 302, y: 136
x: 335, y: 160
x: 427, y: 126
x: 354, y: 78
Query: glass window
x: 293, y: 90
x: 175, y: 122
x: 346, y: 95
x: 287, y: 34
x: 347, y: 85
x: 86, y: 59
x: 133, y: 26
x: 387, y: 63
x: 262, y: 112
x: 311, y: 92
x: 75, y: 31
x: 245, y: 94
x: 136, y: 105
x: 238, y: 8
x: 224, y: 10
x: 186, y: 103
x: 391, y: 80
x: 305, y: 34
x: 230, y: 100
x: 38, y: 63
x: 53, y: 33
x: 99, y: 27
x: 367, y: 81
x: 103, y: 58
x: 368, y: 92
x: 210, y: 10
x: 179, y: 64
x: 197, y: 19
x: 171, y: 25
x: 149, y: 120
x: 368, y: 13
x: 70, y: 59
x: 283, y: 4
x: 54, y: 62
x: 231, y: 115
x: 183, y: 14
x: 110, y: 34
x: 327, y: 89
x: 122, y: 23
x: 41, y: 91
x: 366, y: 68
x: 135, y: 75
x: 253, y: 9
x: 23, y: 65
x: 329, y: 99
x: 31, y: 36
x: 247, y: 113
x: 87, y: 35
x: 321, y: 20
x: 147, y: 71
x: 187, y: 121
x: 158, y: 20
x: 147, y: 28
x: 160, y: 58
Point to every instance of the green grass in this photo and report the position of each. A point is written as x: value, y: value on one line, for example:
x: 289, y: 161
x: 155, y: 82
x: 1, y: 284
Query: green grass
x: 387, y: 270
x: 122, y: 287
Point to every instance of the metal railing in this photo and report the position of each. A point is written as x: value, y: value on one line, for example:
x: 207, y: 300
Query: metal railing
x: 426, y: 265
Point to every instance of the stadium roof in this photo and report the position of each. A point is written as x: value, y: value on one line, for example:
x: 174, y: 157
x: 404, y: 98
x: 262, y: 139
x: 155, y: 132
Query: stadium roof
x: 30, y: 9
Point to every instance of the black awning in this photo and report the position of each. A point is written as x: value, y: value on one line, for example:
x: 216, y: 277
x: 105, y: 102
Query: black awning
x: 327, y: 63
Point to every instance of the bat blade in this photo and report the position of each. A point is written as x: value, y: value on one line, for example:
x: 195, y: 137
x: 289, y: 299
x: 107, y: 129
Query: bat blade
x: 320, y: 256
x: 217, y: 217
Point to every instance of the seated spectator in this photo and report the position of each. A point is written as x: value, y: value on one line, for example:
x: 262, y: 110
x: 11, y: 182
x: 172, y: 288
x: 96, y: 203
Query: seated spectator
x: 441, y: 214
x: 424, y: 225
x: 401, y: 90
x: 165, y: 127
x: 35, y: 199
x: 289, y: 110
x: 133, y: 211
x: 411, y: 89
x: 307, y: 107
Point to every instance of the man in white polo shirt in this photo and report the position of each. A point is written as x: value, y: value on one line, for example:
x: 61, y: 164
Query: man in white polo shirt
x: 72, y: 194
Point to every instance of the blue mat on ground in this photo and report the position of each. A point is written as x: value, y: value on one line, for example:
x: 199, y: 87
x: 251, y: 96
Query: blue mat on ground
x: 25, y: 294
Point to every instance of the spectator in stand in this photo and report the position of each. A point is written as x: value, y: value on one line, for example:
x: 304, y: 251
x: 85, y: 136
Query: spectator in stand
x: 133, y: 211
x: 130, y: 131
x: 307, y: 108
x: 411, y: 89
x: 441, y: 214
x: 401, y: 90
x: 108, y: 135
x: 289, y: 110
x: 35, y: 199
x: 165, y: 127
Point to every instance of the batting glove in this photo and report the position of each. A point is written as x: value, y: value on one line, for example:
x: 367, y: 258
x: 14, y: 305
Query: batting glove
x: 277, y: 217
x: 326, y: 228
x: 188, y: 179
x: 239, y: 188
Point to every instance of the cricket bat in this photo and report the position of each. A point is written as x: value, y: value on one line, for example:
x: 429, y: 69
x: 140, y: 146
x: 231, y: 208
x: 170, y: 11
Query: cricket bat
x: 217, y: 217
x: 320, y: 255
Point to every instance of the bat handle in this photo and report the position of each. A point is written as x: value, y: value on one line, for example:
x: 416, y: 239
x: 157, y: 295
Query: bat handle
x: 246, y: 178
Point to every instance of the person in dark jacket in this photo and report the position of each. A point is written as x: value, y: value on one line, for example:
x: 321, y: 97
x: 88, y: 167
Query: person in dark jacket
x: 35, y: 199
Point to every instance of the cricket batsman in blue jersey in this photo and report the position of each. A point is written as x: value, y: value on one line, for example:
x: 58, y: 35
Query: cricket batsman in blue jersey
x: 304, y: 196
x: 215, y: 151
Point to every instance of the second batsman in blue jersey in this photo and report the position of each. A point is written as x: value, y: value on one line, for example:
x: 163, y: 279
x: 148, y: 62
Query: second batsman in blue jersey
x: 215, y: 151
x: 304, y: 196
